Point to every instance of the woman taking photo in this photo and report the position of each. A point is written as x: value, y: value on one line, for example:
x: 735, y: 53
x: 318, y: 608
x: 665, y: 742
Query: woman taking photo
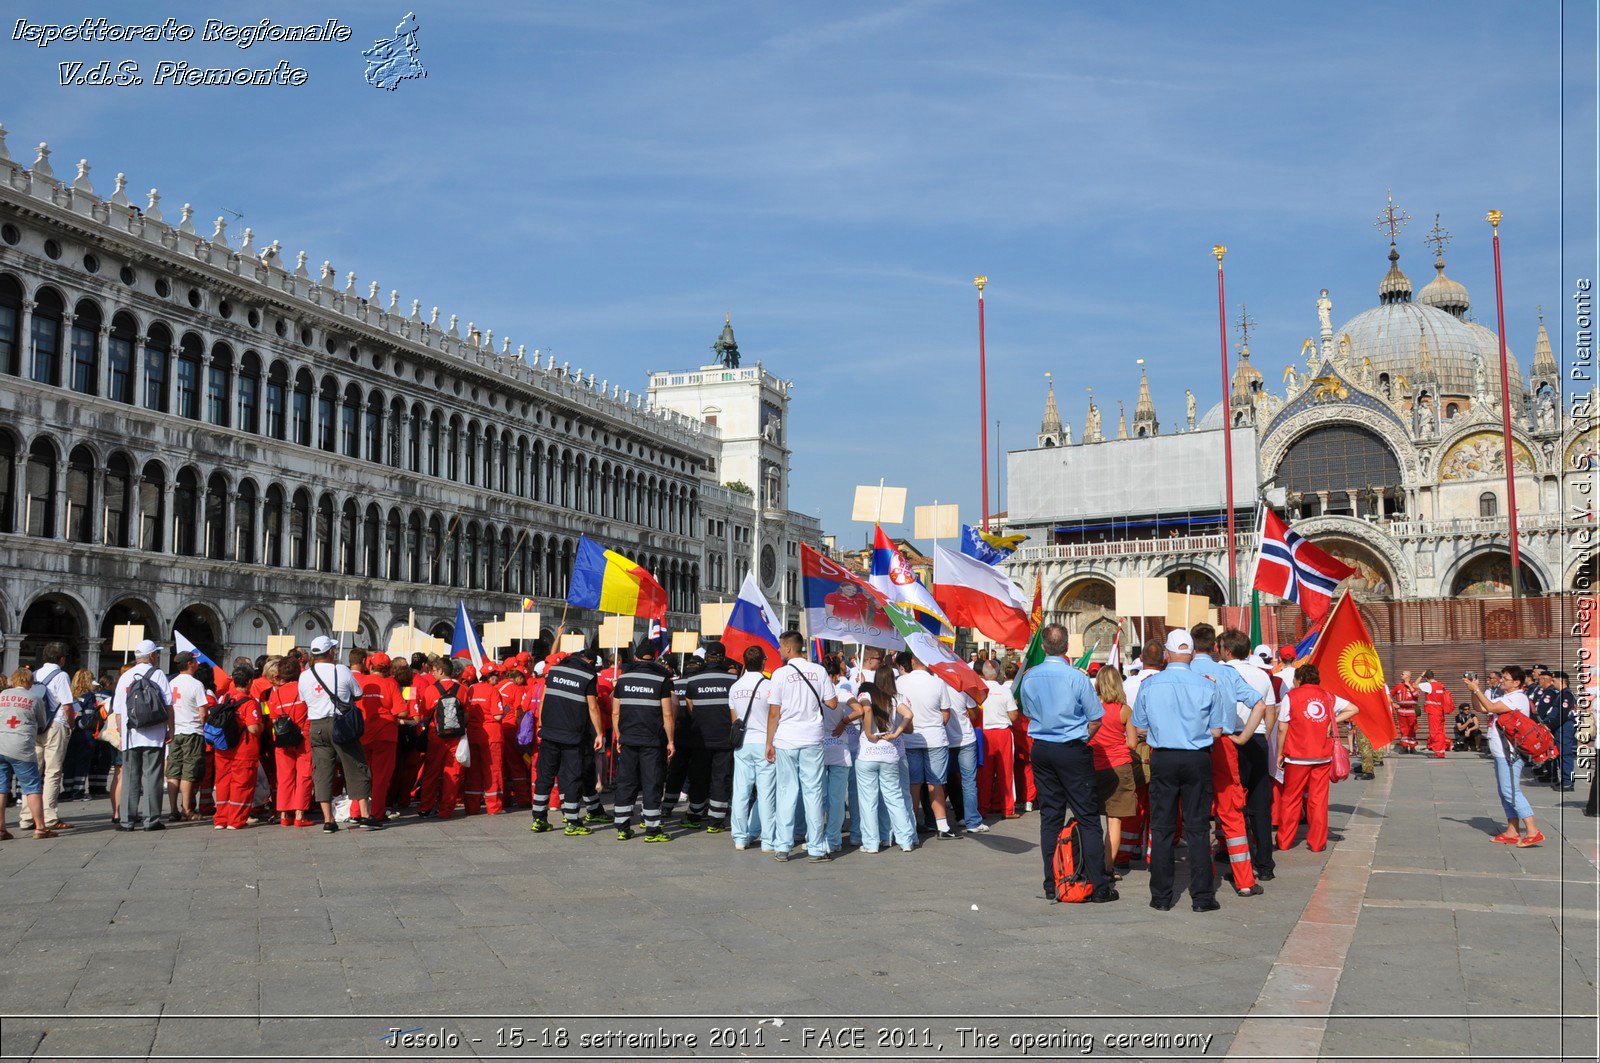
x: 885, y: 717
x: 1305, y: 754
x: 1521, y: 830
x: 1113, y: 762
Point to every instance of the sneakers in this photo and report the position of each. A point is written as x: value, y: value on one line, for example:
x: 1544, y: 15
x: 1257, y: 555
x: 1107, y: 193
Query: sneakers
x: 597, y: 817
x: 948, y: 835
x: 330, y: 827
x: 658, y: 835
x: 541, y: 826
x: 624, y: 834
x: 372, y: 824
x: 982, y: 828
x: 782, y: 858
x: 716, y: 827
x: 694, y: 822
x: 576, y: 830
x: 1254, y: 891
x: 823, y: 859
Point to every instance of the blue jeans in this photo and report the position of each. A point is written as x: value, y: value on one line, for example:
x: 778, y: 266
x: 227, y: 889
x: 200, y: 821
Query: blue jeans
x: 26, y: 772
x: 855, y: 808
x: 753, y: 777
x: 1508, y: 780
x: 1567, y: 742
x: 882, y: 794
x: 835, y: 784
x: 799, y: 773
x: 967, y: 761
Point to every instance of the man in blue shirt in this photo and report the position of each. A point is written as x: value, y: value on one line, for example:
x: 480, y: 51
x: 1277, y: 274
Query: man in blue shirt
x: 1180, y: 713
x: 1227, y: 787
x: 1063, y: 712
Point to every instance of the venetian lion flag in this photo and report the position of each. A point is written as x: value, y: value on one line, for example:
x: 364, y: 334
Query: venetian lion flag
x: 606, y: 581
x: 1350, y: 669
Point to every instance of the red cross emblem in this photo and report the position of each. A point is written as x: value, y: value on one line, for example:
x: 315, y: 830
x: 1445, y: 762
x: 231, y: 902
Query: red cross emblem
x: 13, y: 722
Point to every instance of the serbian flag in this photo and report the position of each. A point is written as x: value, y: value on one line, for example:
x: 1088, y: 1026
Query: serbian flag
x: 843, y: 607
x: 606, y: 581
x: 752, y: 623
x: 1291, y: 568
x: 1350, y: 669
x: 892, y: 577
x: 464, y: 641
x: 935, y: 654
x: 974, y: 594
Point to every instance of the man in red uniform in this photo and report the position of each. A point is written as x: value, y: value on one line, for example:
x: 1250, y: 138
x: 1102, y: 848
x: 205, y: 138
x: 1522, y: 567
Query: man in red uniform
x: 1306, y: 728
x: 1405, y: 696
x: 1439, y: 706
x: 441, y: 772
x: 293, y: 758
x: 236, y: 766
x: 1227, y: 789
x: 380, y: 711
x: 514, y: 773
x: 485, y: 775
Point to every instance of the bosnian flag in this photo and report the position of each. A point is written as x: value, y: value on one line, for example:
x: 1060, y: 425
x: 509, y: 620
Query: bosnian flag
x: 1290, y: 567
x: 974, y: 594
x: 465, y: 642
x: 894, y: 578
x: 183, y: 645
x: 752, y: 623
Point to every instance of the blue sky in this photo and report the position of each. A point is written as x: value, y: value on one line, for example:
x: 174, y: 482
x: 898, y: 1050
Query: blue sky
x: 606, y: 180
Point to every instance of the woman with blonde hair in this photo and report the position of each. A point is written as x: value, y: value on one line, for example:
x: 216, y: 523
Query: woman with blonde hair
x: 22, y: 718
x: 1112, y: 748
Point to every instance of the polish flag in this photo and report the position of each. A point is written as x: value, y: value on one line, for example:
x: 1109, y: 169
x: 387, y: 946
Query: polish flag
x: 973, y: 594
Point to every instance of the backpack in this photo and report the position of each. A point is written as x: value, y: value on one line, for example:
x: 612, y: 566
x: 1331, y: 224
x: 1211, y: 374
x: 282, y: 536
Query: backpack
x: 449, y: 718
x: 1072, y: 885
x: 145, y: 705
x: 348, y: 723
x: 222, y: 728
x: 525, y: 727
x: 285, y: 732
x: 1526, y: 736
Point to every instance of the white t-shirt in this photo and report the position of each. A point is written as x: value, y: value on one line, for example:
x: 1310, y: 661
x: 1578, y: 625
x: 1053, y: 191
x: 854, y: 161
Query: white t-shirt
x: 800, y: 689
x: 883, y: 752
x: 57, y: 692
x: 740, y: 696
x: 997, y: 707
x: 1130, y: 685
x: 958, y: 728
x: 1286, y: 675
x: 154, y: 736
x: 1518, y: 701
x: 1261, y: 683
x: 188, y: 704
x: 336, y: 677
x: 925, y: 693
x: 836, y: 751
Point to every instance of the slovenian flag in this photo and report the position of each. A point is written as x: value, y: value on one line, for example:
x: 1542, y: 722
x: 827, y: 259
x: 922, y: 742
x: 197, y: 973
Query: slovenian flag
x: 606, y: 581
x: 752, y: 623
x: 183, y: 645
x: 465, y: 642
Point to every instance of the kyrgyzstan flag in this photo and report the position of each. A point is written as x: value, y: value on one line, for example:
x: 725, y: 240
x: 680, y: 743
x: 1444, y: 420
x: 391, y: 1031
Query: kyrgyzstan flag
x: 1350, y: 669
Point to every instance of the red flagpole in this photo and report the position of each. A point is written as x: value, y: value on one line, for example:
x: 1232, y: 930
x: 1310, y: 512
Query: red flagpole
x: 983, y: 401
x: 1493, y: 218
x: 1227, y: 424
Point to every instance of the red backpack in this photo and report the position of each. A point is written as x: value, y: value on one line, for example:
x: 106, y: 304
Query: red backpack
x: 1072, y: 885
x: 1527, y: 736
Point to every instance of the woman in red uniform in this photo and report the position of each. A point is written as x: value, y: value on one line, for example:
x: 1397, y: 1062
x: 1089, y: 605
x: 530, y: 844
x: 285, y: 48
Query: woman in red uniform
x: 1306, y: 726
x: 513, y: 689
x: 380, y: 705
x: 485, y: 775
x: 293, y: 757
x: 236, y: 766
x: 412, y: 739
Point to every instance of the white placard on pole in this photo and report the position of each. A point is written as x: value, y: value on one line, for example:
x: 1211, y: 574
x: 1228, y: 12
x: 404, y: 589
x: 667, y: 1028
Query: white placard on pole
x: 685, y: 641
x: 714, y: 618
x: 572, y: 642
x: 125, y: 637
x: 876, y: 504
x: 1141, y: 596
x: 936, y: 521
x: 280, y: 645
x: 521, y: 625
x: 1074, y: 644
x: 616, y: 632
x: 347, y: 616
x: 494, y: 635
x: 1186, y: 610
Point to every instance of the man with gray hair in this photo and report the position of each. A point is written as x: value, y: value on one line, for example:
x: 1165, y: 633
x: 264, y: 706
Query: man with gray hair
x: 1064, y: 713
x: 328, y: 687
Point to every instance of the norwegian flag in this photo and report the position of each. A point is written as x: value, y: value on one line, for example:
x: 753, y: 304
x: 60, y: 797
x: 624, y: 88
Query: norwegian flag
x: 1291, y: 568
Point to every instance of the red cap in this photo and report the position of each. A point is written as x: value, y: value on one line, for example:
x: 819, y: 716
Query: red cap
x: 1286, y: 653
x: 378, y: 660
x: 1094, y: 667
x: 468, y: 675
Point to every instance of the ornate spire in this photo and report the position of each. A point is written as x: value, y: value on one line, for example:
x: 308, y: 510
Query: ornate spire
x: 1122, y: 420
x: 1050, y: 430
x: 1144, y: 411
x: 1544, y: 359
x: 1395, y: 286
x: 1442, y: 292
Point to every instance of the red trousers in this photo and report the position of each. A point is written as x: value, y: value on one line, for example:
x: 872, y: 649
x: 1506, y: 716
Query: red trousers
x: 1025, y: 791
x: 1438, y: 741
x: 1407, y: 722
x: 380, y: 758
x: 1306, y: 783
x: 431, y: 785
x: 235, y: 786
x: 403, y: 783
x: 1134, y: 830
x: 294, y: 776
x: 514, y: 770
x: 485, y: 777
x: 995, y: 795
x: 1227, y: 804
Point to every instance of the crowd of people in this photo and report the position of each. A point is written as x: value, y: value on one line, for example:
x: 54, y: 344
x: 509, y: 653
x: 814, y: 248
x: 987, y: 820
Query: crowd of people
x: 1203, y: 731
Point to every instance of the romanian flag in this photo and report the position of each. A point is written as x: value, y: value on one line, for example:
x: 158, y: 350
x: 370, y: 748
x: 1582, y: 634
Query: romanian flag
x: 606, y: 581
x: 1350, y: 669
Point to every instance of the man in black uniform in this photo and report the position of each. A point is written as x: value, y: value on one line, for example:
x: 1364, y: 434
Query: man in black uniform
x: 707, y: 741
x: 642, y: 715
x: 568, y: 718
x: 678, y: 766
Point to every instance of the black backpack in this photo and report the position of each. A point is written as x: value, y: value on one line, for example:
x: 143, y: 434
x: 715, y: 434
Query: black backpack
x: 222, y: 728
x: 145, y: 705
x: 449, y: 718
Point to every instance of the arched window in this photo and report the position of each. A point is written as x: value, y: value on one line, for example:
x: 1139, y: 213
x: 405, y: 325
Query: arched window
x: 300, y: 530
x: 216, y: 517
x: 8, y: 479
x: 47, y: 313
x: 244, y: 523
x: 85, y: 343
x: 348, y: 532
x: 472, y: 447
x: 272, y: 527
x: 157, y: 353
x: 39, y: 516
x: 327, y: 414
x: 538, y: 471
x: 434, y: 550
x: 452, y: 554
x: 473, y: 580
x: 277, y: 401
x: 10, y: 321
x: 185, y: 511
x: 433, y: 444
x: 118, y: 503
x: 152, y: 506
x: 522, y: 467
x: 350, y: 423
x: 323, y: 534
x: 1488, y: 505
x: 371, y: 530
x: 491, y: 463
x: 372, y: 428
x: 395, y: 434
x: 247, y: 394
x: 1335, y: 461
x: 392, y: 546
x: 186, y: 384
x: 452, y: 450
x: 414, y: 548
x: 300, y: 408
x: 119, y: 359
x: 419, y: 424
x: 80, y: 496
x: 503, y: 451
x: 219, y: 376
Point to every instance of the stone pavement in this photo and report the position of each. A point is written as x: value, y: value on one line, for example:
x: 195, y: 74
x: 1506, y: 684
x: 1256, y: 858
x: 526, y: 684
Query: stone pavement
x: 1406, y: 940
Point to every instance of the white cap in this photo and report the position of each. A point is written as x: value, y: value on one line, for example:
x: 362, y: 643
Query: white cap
x: 1180, y: 641
x: 323, y: 644
x: 146, y: 648
x: 1264, y: 653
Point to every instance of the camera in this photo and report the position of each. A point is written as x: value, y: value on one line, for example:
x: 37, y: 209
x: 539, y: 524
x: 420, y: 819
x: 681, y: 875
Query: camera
x: 1469, y: 675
